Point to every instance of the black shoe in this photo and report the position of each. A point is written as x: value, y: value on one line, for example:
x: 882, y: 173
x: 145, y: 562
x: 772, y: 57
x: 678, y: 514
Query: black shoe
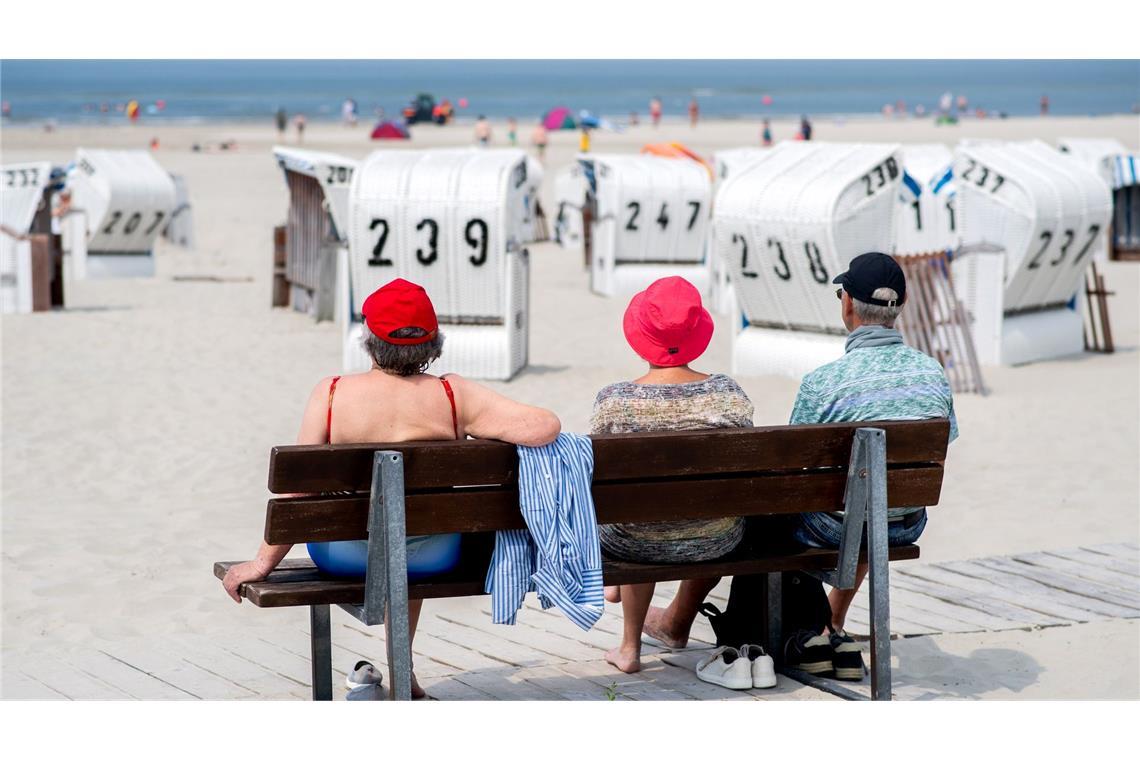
x: 847, y: 657
x: 809, y: 652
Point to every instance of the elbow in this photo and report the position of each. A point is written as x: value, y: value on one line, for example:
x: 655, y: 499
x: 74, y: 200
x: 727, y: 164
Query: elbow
x: 548, y: 429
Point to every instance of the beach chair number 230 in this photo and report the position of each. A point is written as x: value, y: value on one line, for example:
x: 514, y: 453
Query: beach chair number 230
x: 475, y: 234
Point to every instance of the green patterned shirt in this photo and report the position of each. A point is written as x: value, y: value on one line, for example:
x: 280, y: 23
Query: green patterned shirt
x: 876, y: 383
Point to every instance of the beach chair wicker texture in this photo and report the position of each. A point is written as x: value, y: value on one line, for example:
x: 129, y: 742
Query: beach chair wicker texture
x: 128, y: 200
x: 451, y: 220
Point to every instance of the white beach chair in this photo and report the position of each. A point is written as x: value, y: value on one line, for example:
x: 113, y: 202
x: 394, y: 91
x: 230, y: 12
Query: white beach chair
x: 1120, y: 169
x: 449, y: 220
x: 651, y: 221
x: 21, y: 191
x: 126, y: 199
x: 926, y: 209
x: 784, y: 227
x: 1047, y: 213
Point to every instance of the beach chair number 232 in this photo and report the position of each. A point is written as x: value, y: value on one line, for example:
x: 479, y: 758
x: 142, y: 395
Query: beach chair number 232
x: 475, y: 234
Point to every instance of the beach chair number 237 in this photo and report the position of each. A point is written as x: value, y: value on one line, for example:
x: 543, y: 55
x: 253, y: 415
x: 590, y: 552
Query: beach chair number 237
x: 475, y: 234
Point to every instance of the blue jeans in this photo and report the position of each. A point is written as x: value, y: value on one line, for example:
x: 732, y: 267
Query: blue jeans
x: 822, y: 530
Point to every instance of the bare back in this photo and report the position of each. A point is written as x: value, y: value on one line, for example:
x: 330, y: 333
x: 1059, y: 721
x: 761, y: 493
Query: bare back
x: 372, y: 407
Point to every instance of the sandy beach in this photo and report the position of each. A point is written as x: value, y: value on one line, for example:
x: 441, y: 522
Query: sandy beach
x: 137, y: 422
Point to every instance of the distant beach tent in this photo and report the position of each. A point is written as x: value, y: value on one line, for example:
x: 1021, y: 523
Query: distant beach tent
x: 559, y: 118
x: 587, y: 119
x: 389, y: 130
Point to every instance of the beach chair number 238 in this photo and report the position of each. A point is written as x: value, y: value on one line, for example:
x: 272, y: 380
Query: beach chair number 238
x: 476, y: 235
x: 781, y: 268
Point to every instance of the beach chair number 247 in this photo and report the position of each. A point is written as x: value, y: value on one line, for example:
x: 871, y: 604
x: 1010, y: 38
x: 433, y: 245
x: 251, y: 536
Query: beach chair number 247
x: 475, y: 233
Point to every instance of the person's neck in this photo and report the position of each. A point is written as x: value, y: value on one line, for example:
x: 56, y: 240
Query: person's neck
x: 670, y: 375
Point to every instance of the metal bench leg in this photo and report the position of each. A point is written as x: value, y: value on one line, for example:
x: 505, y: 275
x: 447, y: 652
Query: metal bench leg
x: 877, y: 554
x: 321, y: 641
x: 386, y: 588
x: 775, y: 620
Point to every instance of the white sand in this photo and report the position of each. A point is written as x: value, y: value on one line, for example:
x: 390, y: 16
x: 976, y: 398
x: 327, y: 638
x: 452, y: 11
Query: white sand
x: 137, y: 423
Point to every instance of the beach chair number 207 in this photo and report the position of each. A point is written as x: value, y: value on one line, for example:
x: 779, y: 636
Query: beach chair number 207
x: 476, y: 234
x: 133, y: 222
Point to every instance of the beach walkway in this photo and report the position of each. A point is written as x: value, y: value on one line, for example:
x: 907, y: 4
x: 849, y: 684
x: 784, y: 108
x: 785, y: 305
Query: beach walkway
x: 964, y: 629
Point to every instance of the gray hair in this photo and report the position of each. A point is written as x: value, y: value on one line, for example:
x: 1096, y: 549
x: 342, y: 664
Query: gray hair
x: 402, y: 360
x: 870, y: 314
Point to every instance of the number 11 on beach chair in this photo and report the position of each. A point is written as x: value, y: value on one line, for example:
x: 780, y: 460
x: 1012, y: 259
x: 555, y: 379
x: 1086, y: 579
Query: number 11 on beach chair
x: 452, y: 221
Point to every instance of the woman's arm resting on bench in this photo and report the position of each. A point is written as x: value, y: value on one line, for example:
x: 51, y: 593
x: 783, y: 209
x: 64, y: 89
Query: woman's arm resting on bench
x: 313, y: 431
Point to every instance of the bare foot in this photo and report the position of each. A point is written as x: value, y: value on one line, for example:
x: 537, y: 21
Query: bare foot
x: 655, y: 626
x: 625, y: 660
x: 613, y: 594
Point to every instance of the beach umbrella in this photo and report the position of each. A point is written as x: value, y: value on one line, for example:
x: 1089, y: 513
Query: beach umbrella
x: 389, y: 130
x: 559, y: 118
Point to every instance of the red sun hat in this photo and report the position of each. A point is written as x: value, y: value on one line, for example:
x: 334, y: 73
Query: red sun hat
x: 397, y: 305
x: 666, y: 324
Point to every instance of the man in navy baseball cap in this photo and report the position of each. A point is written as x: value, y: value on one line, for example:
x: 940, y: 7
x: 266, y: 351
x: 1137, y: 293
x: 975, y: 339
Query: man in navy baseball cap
x: 867, y: 273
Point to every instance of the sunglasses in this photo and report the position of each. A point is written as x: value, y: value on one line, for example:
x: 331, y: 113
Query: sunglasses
x: 839, y: 293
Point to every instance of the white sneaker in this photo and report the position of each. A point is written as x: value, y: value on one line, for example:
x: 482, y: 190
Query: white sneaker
x: 725, y: 667
x: 763, y: 669
x: 363, y: 673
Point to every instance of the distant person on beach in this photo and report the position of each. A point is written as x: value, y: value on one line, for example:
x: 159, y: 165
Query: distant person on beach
x: 282, y: 122
x: 1044, y: 105
x: 538, y: 138
x: 655, y: 111
x: 694, y: 112
x: 805, y: 128
x: 633, y: 120
x: 668, y: 327
x: 766, y: 134
x: 348, y: 112
x: 299, y: 124
x: 512, y: 131
x: 398, y: 401
x: 878, y: 378
x: 945, y: 103
x: 483, y: 131
x: 584, y: 141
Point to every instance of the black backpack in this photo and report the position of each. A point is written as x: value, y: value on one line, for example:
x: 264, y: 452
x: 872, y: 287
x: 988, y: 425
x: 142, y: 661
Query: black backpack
x: 805, y: 606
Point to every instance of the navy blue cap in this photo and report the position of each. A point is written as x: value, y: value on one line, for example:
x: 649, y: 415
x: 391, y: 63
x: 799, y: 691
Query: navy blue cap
x: 868, y: 272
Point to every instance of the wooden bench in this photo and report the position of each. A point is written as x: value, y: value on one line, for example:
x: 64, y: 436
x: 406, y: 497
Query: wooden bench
x: 471, y: 487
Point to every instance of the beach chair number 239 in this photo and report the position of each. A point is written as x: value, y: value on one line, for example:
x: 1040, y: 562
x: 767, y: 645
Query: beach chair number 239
x: 476, y: 235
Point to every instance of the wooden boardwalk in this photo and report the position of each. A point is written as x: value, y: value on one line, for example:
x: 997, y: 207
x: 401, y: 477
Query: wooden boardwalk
x: 460, y: 655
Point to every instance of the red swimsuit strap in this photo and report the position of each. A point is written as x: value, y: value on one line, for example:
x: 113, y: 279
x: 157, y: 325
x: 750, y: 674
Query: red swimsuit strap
x: 451, y: 400
x: 328, y: 424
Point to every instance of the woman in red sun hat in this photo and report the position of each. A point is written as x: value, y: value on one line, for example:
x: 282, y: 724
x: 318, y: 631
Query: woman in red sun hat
x: 398, y: 401
x: 667, y: 326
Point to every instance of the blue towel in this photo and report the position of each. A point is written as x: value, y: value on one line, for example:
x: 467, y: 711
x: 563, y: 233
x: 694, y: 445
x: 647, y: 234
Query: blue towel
x: 559, y: 555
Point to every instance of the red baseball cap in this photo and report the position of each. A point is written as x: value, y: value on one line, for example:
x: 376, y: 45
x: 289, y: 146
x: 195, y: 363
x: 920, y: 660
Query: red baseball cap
x: 666, y: 324
x: 400, y: 304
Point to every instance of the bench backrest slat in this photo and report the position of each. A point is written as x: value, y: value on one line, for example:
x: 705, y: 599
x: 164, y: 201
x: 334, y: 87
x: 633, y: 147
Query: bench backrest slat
x: 638, y: 478
x: 641, y: 456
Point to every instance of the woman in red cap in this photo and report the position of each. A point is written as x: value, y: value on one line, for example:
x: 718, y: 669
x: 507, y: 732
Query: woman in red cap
x: 398, y: 401
x: 668, y: 327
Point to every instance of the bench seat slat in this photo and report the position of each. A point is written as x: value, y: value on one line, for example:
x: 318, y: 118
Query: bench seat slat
x: 302, y: 584
x: 295, y: 520
x: 438, y: 464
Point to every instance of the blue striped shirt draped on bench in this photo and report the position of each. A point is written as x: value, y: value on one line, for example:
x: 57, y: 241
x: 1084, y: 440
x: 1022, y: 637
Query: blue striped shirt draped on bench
x: 558, y: 555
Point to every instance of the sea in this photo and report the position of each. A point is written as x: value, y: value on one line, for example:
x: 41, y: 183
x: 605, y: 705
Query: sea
x: 70, y: 91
